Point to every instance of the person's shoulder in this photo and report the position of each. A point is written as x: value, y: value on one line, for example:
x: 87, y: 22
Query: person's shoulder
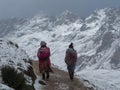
x: 47, y: 47
x: 75, y: 50
x: 39, y: 48
x: 67, y: 49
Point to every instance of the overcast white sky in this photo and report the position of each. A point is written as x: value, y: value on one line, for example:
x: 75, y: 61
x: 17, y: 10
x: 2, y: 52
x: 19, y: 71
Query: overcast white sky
x: 26, y: 8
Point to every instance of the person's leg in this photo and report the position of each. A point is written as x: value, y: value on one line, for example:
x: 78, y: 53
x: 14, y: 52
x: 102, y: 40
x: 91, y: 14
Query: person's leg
x: 47, y: 75
x: 39, y: 68
x: 71, y: 75
x: 43, y: 76
x: 71, y: 72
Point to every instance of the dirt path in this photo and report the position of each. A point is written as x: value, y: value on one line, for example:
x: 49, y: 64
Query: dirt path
x: 59, y: 80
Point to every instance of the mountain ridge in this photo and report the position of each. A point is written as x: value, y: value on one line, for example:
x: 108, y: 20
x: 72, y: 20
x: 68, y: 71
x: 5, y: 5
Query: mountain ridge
x: 95, y: 38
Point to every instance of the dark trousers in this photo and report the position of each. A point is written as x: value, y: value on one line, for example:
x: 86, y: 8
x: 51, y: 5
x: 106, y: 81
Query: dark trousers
x: 71, y: 74
x: 71, y: 69
x: 45, y: 75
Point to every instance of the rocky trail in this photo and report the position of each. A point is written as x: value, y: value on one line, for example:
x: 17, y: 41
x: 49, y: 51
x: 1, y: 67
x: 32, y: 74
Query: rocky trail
x: 59, y: 80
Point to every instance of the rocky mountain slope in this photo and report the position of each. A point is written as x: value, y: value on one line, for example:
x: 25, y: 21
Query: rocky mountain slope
x: 93, y: 37
x: 11, y: 55
x: 96, y: 39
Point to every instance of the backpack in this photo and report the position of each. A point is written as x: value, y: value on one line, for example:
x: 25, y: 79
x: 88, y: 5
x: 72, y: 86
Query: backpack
x: 73, y: 54
x: 43, y: 53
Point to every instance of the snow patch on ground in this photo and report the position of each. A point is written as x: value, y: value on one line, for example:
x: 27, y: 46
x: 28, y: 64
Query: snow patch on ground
x: 102, y: 79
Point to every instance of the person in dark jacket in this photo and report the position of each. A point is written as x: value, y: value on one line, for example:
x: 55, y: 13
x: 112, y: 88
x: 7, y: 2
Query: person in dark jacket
x: 70, y: 60
x: 44, y: 60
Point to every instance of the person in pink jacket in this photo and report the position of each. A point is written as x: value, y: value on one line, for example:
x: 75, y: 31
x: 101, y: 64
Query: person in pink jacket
x: 70, y: 60
x: 44, y: 60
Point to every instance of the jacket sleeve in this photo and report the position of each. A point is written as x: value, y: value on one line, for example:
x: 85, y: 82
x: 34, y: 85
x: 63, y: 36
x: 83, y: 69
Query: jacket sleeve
x: 66, y: 57
x: 49, y: 53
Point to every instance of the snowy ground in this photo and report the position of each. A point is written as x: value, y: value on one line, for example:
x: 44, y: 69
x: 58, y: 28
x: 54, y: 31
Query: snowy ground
x: 102, y: 79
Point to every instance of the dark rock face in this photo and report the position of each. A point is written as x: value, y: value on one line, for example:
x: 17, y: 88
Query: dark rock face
x: 30, y: 73
x: 106, y: 42
x: 115, y: 60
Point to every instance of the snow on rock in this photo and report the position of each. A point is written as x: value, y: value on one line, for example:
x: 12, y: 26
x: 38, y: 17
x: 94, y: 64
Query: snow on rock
x: 4, y: 87
x: 12, y: 55
x: 96, y: 39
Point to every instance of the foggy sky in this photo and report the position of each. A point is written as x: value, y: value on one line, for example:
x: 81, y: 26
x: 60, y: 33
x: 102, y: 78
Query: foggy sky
x: 26, y: 8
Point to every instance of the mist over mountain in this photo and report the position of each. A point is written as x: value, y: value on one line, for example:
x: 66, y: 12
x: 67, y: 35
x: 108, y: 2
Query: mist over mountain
x: 96, y: 39
x: 9, y: 25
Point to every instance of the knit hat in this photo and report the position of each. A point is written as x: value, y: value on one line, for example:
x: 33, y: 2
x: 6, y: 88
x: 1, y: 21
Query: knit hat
x: 43, y: 43
x: 71, y: 45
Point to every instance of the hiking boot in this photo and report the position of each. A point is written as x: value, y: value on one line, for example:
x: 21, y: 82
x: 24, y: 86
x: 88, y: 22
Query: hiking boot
x: 42, y: 83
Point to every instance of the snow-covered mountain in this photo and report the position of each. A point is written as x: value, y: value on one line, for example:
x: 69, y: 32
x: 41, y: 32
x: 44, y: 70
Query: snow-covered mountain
x: 67, y: 17
x: 9, y: 25
x: 96, y: 39
x: 11, y: 55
